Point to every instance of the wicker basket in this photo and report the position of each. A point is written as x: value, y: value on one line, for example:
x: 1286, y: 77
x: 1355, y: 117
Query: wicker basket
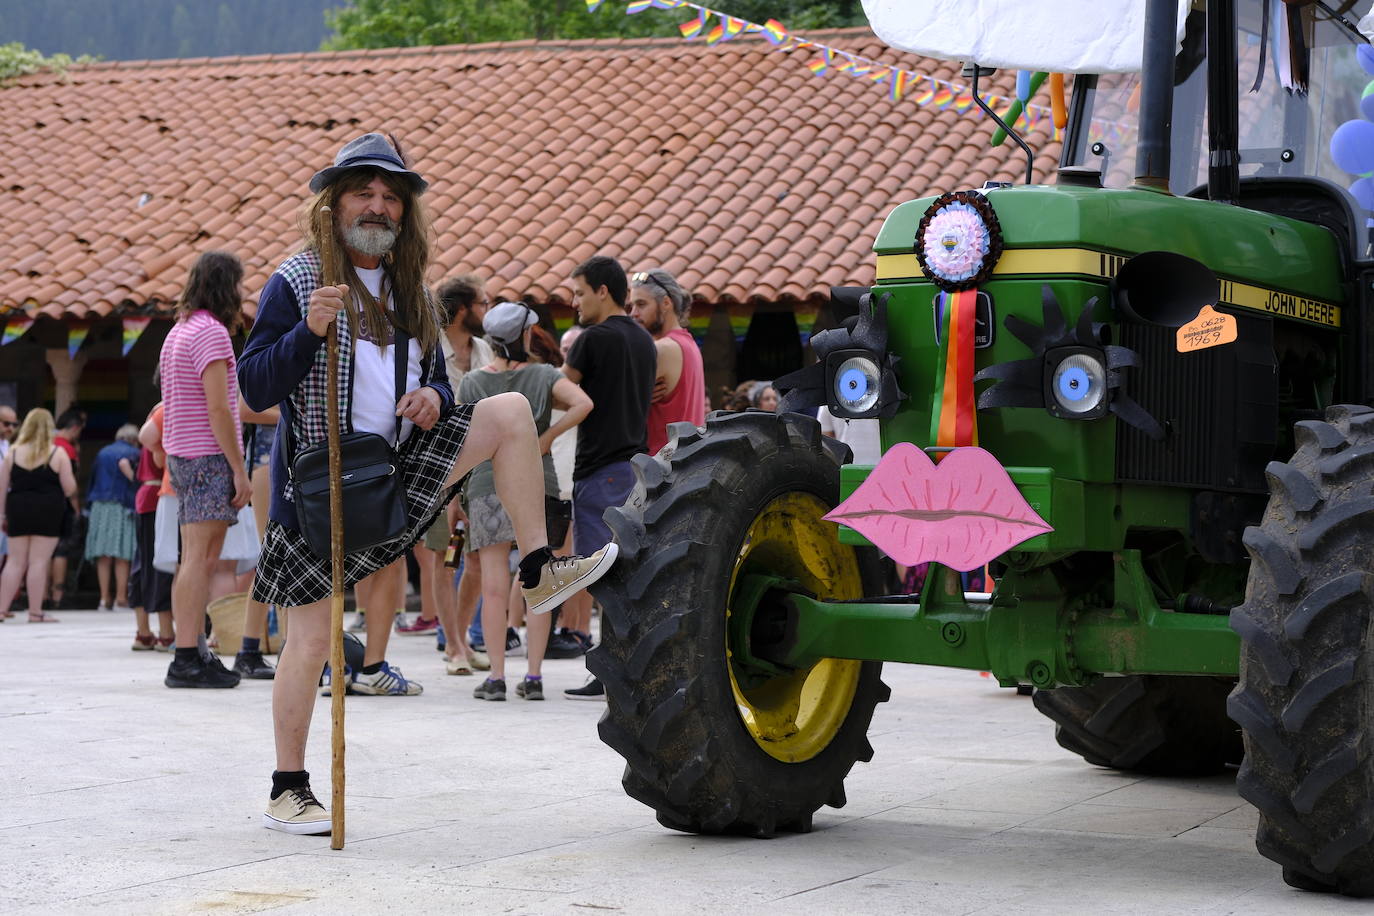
x: 226, y: 618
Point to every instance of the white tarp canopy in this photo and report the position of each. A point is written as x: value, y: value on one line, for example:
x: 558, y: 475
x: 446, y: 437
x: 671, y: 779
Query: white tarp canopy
x: 1059, y: 36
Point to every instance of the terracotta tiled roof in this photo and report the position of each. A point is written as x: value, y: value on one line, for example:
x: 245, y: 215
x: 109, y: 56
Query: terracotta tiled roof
x: 731, y: 165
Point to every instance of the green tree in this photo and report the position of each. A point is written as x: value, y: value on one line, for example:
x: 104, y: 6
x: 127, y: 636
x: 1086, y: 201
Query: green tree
x: 17, y: 60
x: 402, y: 23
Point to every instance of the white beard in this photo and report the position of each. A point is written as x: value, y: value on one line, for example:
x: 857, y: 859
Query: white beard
x: 373, y: 241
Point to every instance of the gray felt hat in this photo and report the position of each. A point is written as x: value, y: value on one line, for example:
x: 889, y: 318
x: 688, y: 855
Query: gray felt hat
x: 506, y: 321
x: 372, y: 150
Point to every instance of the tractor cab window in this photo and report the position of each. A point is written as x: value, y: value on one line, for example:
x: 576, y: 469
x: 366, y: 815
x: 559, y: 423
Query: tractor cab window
x: 1283, y: 132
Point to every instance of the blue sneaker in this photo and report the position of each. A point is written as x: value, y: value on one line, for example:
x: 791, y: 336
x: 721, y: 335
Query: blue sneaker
x: 388, y: 682
x: 440, y: 641
x: 328, y: 679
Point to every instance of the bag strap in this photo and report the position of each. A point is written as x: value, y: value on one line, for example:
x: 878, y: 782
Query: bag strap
x: 401, y: 358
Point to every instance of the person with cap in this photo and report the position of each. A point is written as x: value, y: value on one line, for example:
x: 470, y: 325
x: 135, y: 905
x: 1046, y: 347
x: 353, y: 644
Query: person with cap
x: 508, y: 326
x: 660, y: 305
x: 377, y: 220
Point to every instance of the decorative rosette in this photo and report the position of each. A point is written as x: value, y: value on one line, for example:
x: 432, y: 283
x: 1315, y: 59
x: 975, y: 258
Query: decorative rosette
x: 959, y: 240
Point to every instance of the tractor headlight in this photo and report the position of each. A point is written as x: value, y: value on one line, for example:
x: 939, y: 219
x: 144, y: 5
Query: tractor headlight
x: 855, y: 384
x: 1077, y: 383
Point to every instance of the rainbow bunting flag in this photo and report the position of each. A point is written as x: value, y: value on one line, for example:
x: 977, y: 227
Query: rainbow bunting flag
x: 15, y: 329
x: 899, y: 80
x: 880, y: 74
x: 821, y: 65
x: 593, y: 5
x: 943, y: 97
x: 692, y: 29
x: 638, y: 6
x: 774, y: 32
x: 925, y: 95
x: 76, y: 336
x: 963, y: 102
x: 134, y: 326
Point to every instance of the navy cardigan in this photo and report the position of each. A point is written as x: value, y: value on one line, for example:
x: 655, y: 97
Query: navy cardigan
x: 279, y: 353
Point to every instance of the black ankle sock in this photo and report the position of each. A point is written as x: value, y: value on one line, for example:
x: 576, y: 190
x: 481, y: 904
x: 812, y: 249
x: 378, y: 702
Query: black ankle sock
x: 372, y: 669
x: 531, y: 565
x: 250, y: 645
x: 288, y: 779
x: 187, y: 655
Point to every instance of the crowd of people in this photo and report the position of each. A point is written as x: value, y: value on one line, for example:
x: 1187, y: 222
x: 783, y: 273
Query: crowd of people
x: 510, y: 445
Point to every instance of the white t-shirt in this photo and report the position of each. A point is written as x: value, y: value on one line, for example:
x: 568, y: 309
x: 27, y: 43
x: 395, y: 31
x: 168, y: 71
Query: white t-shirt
x: 861, y: 436
x: 374, y: 376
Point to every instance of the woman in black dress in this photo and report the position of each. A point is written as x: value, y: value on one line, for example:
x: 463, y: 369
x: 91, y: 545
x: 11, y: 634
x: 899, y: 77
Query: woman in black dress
x: 36, y: 478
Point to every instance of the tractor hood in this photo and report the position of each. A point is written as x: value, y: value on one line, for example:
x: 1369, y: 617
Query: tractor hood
x: 1058, y: 36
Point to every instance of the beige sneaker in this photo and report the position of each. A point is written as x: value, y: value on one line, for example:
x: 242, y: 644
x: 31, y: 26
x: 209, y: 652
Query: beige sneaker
x: 297, y: 811
x: 562, y: 576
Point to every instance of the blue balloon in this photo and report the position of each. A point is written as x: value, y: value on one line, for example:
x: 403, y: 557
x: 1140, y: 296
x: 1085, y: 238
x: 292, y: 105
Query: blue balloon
x: 1363, y: 190
x: 1023, y: 84
x: 1352, y: 147
x: 1365, y: 55
x: 1367, y: 107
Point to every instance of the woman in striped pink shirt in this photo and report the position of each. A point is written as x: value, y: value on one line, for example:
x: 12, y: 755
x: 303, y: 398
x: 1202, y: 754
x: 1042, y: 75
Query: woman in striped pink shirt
x: 201, y: 436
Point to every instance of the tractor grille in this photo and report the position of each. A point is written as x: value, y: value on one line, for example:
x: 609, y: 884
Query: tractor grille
x: 1218, y: 406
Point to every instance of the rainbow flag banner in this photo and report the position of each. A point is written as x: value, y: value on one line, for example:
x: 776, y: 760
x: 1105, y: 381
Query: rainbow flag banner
x: 924, y: 88
x: 76, y: 336
x: 15, y: 328
x: 134, y: 326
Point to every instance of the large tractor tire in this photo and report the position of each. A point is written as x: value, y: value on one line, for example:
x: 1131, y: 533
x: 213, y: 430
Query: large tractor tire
x: 1306, y: 694
x: 1155, y: 724
x: 714, y: 745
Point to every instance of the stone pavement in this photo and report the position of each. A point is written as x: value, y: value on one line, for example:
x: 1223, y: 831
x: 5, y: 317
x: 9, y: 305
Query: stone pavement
x: 118, y: 795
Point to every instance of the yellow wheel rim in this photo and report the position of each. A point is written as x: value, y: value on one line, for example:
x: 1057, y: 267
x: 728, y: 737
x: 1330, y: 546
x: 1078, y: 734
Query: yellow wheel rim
x: 794, y: 717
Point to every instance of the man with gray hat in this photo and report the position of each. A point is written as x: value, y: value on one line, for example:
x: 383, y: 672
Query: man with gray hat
x: 367, y: 204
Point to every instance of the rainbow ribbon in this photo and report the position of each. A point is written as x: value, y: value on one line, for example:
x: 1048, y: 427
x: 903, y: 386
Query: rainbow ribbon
x: 134, y: 326
x: 955, y: 424
x: 15, y: 328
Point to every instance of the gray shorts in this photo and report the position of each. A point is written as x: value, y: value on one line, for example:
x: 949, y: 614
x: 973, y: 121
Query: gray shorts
x: 205, y: 489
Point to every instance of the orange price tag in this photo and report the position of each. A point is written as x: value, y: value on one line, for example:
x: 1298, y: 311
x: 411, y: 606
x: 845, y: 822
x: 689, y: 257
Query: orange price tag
x: 1209, y: 329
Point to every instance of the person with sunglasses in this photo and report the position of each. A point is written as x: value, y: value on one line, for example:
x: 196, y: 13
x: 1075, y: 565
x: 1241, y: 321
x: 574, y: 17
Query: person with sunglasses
x: 660, y: 305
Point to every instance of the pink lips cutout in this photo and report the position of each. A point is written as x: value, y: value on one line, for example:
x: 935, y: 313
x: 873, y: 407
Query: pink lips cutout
x: 960, y: 513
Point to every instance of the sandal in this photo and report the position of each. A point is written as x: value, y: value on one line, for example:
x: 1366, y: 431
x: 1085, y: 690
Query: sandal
x: 144, y: 643
x: 43, y: 617
x: 457, y: 666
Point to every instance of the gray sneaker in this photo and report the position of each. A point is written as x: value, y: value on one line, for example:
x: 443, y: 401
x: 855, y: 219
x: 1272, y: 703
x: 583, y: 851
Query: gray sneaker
x: 530, y: 689
x: 490, y: 689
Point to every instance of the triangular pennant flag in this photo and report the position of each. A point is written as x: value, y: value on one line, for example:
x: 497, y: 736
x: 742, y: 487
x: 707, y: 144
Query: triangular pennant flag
x: 134, y: 326
x: 15, y: 328
x: 693, y: 29
x: 76, y: 336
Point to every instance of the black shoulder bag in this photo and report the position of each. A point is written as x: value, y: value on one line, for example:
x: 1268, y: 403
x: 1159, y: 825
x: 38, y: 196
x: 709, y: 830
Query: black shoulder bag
x: 374, y: 499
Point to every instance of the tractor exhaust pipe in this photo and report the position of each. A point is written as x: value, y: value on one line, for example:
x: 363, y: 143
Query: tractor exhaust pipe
x: 1156, y: 94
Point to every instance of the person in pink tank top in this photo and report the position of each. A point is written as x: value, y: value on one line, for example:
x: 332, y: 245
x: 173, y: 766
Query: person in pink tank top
x: 659, y: 304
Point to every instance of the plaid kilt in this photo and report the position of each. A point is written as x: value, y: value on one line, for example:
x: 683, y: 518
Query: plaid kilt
x: 289, y: 573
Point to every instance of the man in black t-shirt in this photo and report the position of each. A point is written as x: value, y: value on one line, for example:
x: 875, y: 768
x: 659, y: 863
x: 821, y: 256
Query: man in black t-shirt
x: 615, y: 362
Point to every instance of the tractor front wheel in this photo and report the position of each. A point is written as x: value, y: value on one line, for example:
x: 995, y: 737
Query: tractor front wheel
x: 714, y: 740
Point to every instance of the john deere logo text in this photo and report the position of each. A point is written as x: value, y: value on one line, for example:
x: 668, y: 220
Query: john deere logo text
x: 1291, y: 306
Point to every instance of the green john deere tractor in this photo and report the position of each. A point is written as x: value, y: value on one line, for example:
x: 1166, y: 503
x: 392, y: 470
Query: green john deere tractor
x: 1188, y: 583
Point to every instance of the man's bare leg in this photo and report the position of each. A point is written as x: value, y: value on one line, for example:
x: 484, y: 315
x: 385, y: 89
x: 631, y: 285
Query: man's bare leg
x: 298, y: 675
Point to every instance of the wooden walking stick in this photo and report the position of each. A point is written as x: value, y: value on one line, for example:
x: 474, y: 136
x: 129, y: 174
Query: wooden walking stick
x: 338, y: 684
